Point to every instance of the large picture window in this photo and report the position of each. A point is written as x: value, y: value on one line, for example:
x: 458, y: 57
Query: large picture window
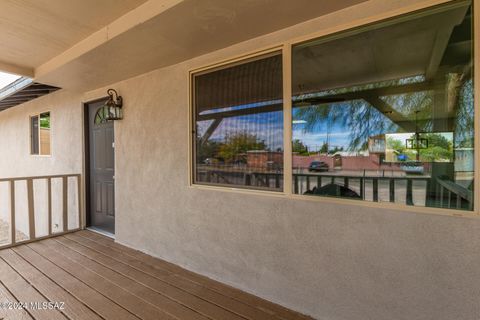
x: 387, y: 113
x: 238, y: 125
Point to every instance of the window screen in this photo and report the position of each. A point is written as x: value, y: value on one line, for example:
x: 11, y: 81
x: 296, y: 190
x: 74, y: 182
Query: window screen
x: 238, y: 125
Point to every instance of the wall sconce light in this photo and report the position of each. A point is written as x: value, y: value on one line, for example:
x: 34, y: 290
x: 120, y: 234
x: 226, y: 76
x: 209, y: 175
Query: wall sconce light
x: 113, y: 106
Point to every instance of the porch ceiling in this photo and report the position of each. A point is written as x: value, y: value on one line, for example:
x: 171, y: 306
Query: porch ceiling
x: 35, y: 31
x: 85, y: 44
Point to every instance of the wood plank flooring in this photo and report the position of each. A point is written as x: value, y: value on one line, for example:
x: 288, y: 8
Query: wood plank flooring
x: 85, y: 275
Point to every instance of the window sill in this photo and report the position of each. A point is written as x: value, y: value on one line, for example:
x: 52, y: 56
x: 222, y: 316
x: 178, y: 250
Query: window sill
x: 344, y: 202
x: 41, y: 155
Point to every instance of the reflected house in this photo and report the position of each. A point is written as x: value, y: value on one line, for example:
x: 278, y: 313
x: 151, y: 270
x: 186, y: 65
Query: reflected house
x: 265, y: 160
x: 362, y: 161
x: 337, y: 161
x: 344, y: 161
x: 302, y: 162
x: 376, y: 144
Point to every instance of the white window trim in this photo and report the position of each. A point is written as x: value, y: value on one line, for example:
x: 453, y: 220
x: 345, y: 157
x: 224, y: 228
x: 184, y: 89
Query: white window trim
x: 286, y: 48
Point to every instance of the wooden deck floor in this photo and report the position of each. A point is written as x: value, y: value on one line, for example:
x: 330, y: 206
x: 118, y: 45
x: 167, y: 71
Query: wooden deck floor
x: 84, y: 275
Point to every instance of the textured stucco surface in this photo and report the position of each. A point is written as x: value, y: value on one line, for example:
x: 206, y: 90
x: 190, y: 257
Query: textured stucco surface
x: 66, y: 137
x: 16, y: 160
x: 330, y: 261
x: 334, y: 262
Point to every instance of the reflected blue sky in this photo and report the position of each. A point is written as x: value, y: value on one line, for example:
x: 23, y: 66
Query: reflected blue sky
x: 267, y: 127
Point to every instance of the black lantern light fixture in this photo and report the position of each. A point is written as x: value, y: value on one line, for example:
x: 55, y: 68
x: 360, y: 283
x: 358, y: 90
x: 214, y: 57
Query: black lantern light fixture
x: 113, y: 106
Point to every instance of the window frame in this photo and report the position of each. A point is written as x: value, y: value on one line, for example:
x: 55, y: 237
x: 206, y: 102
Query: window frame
x: 352, y: 27
x: 38, y: 115
x: 192, y: 119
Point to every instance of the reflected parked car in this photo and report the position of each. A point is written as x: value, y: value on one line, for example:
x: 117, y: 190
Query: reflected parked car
x: 212, y: 161
x: 413, y: 167
x: 318, y: 166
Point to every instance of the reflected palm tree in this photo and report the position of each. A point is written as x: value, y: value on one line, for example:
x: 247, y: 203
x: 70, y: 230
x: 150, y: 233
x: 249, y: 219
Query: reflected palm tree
x: 363, y: 119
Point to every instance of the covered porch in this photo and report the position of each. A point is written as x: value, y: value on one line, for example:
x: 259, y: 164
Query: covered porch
x: 239, y: 160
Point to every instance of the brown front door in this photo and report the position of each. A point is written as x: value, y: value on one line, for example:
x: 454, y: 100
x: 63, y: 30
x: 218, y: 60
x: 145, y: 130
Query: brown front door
x: 102, y: 170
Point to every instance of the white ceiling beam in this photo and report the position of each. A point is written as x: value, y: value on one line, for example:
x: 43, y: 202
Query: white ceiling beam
x: 137, y: 16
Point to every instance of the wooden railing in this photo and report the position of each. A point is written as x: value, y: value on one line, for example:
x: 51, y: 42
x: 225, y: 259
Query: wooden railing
x: 390, y: 183
x: 258, y: 179
x: 39, y: 207
x: 452, y: 195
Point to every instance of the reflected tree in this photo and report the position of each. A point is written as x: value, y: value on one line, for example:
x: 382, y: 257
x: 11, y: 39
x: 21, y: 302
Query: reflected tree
x: 362, y: 119
x: 237, y: 145
x: 464, y: 126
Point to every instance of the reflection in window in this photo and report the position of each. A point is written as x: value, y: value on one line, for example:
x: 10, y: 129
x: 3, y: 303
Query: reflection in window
x: 238, y: 132
x: 101, y: 115
x: 40, y: 134
x: 34, y: 133
x: 386, y: 114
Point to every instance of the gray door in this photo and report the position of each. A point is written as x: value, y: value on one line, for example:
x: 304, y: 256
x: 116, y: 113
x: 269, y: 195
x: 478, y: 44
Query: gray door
x: 102, y: 170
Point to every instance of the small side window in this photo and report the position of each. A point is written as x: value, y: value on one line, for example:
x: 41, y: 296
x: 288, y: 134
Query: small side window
x: 40, y: 134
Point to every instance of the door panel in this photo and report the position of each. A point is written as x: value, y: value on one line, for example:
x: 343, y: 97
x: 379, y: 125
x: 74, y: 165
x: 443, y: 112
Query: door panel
x: 102, y: 171
x: 98, y: 149
x: 109, y: 163
x: 98, y: 196
x: 110, y: 199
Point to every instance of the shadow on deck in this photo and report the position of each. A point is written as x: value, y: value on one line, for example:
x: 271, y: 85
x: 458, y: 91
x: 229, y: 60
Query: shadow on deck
x: 84, y: 275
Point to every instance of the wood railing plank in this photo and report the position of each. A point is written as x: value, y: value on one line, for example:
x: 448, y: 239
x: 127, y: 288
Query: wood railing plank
x: 12, y: 213
x: 409, y: 199
x: 79, y: 201
x: 30, y: 198
x: 49, y: 201
x: 65, y: 202
x: 457, y: 189
x: 31, y: 209
x: 392, y: 190
x: 375, y: 189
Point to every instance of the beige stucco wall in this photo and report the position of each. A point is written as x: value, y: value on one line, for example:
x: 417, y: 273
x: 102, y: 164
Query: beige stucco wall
x: 331, y: 261
x: 66, y: 158
x: 66, y: 137
x: 326, y: 260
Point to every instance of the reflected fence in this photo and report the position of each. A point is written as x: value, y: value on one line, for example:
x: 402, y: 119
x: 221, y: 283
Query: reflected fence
x: 376, y: 186
x: 37, y: 207
x: 410, y: 190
